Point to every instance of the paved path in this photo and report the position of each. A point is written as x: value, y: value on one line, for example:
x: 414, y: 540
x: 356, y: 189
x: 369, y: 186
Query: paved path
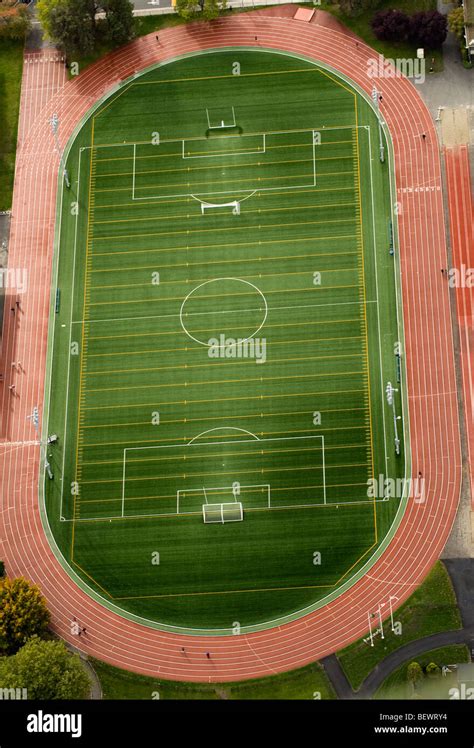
x: 461, y: 572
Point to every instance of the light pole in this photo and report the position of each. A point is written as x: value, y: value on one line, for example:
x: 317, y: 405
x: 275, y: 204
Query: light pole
x: 54, y: 121
x: 392, y: 597
x: 34, y: 418
x: 389, y: 390
x: 376, y: 100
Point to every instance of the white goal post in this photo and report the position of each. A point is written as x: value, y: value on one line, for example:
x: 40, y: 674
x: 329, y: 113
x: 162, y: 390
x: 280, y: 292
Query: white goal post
x: 222, y: 513
x: 234, y: 204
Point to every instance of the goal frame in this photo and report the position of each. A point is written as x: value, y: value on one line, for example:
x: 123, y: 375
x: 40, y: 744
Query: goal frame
x: 221, y: 507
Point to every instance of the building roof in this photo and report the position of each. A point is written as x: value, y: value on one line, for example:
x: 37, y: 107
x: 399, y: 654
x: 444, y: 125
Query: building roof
x: 469, y: 12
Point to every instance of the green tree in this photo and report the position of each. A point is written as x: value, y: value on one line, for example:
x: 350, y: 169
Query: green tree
x: 414, y: 673
x: 47, y: 670
x: 207, y: 9
x: 14, y: 21
x: 70, y: 24
x: 433, y: 670
x: 456, y: 22
x: 119, y: 24
x: 23, y: 613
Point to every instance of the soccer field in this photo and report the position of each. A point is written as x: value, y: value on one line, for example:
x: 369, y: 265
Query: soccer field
x: 225, y: 318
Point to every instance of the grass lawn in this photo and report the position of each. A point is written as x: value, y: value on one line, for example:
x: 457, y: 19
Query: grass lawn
x: 306, y: 683
x: 11, y: 65
x: 306, y: 261
x: 396, y: 685
x: 432, y: 608
x: 360, y: 25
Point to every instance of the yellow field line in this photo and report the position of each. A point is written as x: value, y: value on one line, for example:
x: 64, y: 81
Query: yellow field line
x: 365, y: 309
x: 237, y: 151
x: 232, y: 181
x: 268, y: 291
x: 196, y: 281
x: 176, y: 265
x: 224, y: 245
x: 267, y: 327
x: 217, y: 364
x: 224, y: 166
x: 362, y: 445
x: 185, y: 439
x: 198, y: 217
x: 197, y: 350
x: 262, y: 196
x: 277, y: 396
x: 220, y: 382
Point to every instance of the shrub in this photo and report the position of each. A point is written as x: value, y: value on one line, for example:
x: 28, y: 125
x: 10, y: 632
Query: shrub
x: 428, y: 29
x: 391, y: 25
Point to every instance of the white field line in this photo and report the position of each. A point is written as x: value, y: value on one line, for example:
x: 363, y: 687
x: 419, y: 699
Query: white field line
x: 382, y: 391
x: 73, y: 287
x: 228, y: 311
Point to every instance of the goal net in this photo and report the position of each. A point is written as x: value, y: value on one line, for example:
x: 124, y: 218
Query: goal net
x: 234, y: 204
x: 231, y: 512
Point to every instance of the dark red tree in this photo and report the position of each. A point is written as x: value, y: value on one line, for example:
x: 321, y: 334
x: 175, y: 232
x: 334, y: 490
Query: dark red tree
x: 428, y: 29
x: 391, y: 25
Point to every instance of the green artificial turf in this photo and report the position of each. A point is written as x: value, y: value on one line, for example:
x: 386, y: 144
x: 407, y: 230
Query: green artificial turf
x: 146, y: 280
x: 11, y: 66
x: 397, y: 686
x: 305, y: 683
x: 432, y: 608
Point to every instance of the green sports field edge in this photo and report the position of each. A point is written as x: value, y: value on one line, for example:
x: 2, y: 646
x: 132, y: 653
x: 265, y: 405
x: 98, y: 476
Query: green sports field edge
x: 147, y: 268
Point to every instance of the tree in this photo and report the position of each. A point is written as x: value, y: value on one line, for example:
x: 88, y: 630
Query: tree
x: 14, y: 21
x: 70, y: 24
x: 433, y: 670
x: 208, y: 9
x: 47, y: 670
x: 428, y: 29
x: 119, y: 24
x: 355, y: 7
x: 391, y: 25
x: 456, y: 22
x: 414, y: 673
x: 23, y: 613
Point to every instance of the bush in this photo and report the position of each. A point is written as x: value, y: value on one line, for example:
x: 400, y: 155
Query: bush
x: 433, y: 670
x: 2, y: 569
x: 391, y: 25
x: 47, y: 670
x: 23, y: 613
x: 14, y: 22
x: 428, y: 29
x: 456, y: 22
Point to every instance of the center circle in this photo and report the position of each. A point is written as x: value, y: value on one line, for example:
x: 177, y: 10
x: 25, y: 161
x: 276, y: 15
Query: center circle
x: 221, y: 305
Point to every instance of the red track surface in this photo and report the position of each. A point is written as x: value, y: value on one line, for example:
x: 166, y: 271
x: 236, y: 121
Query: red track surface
x: 429, y: 355
x: 461, y: 213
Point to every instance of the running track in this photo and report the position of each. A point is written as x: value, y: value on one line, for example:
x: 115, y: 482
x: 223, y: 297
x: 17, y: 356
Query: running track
x: 461, y: 214
x: 429, y: 355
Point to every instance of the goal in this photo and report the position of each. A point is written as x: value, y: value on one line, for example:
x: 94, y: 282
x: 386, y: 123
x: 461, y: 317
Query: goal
x: 222, y: 513
x: 234, y: 204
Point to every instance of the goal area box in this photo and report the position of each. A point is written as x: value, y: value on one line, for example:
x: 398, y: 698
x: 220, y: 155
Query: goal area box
x: 264, y: 474
x: 222, y: 513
